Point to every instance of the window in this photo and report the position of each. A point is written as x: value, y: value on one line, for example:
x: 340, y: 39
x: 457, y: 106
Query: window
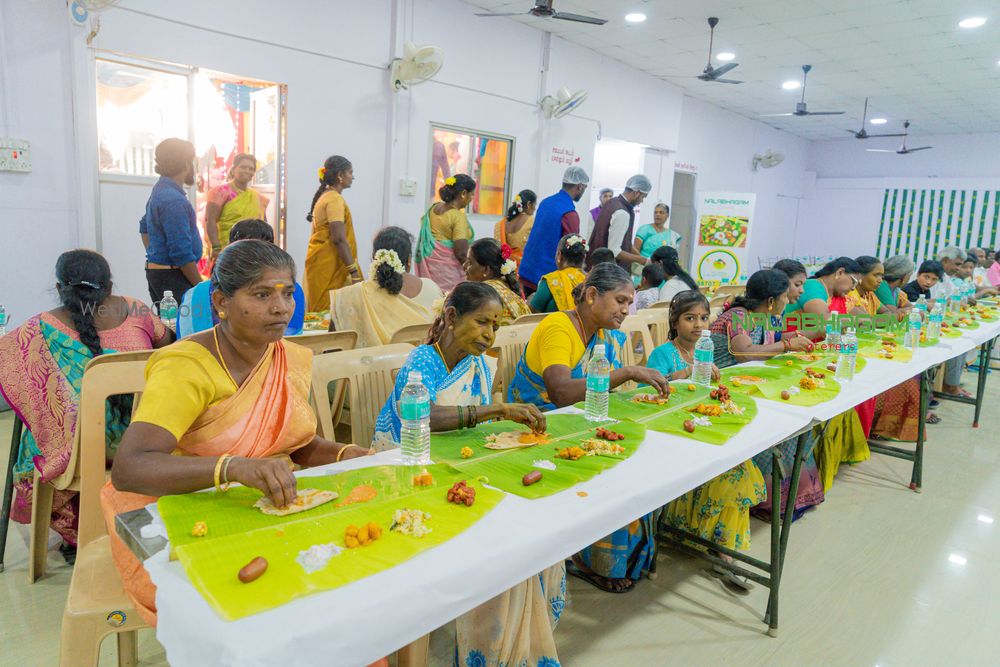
x: 487, y: 158
x: 136, y: 109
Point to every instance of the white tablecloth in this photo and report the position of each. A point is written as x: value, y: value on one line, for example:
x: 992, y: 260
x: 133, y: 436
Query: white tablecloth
x: 370, y: 618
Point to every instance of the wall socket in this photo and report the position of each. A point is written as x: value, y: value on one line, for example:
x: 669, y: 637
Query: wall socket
x: 15, y: 154
x: 407, y: 187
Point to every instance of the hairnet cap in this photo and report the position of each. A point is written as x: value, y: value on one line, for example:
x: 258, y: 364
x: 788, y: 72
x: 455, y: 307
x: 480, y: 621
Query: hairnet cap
x: 575, y: 176
x: 639, y: 183
x: 607, y: 190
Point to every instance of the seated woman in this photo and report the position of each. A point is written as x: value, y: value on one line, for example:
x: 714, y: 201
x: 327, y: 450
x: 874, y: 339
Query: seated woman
x: 514, y: 628
x: 890, y: 292
x: 555, y: 290
x: 718, y: 510
x: 736, y: 341
x: 196, y: 313
x: 844, y: 439
x: 226, y: 405
x: 895, y: 414
x: 514, y: 228
x: 551, y: 374
x: 489, y: 262
x: 677, y: 279
x: 391, y: 298
x: 445, y: 234
x: 41, y: 370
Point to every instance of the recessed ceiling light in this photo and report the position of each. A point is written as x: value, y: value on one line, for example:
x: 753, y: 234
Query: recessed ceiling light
x: 973, y: 22
x: 957, y: 560
x: 725, y: 55
x: 877, y: 121
x: 791, y: 85
x: 635, y: 18
x: 984, y: 518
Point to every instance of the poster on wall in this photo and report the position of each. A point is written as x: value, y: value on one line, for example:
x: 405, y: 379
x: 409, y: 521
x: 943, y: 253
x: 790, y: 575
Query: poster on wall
x: 721, y: 236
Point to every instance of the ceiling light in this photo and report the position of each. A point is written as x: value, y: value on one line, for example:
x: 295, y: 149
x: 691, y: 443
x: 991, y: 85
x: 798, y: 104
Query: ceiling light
x: 635, y: 18
x: 726, y: 55
x: 791, y: 85
x: 973, y: 22
x: 984, y: 518
x: 878, y: 121
x: 957, y: 560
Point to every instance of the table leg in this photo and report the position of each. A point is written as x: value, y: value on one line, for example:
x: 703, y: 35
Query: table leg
x: 774, y: 567
x: 984, y: 367
x: 8, y: 486
x: 916, y: 477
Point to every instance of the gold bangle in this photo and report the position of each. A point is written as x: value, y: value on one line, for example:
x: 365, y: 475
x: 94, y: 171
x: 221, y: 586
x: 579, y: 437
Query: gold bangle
x: 343, y: 449
x: 218, y: 470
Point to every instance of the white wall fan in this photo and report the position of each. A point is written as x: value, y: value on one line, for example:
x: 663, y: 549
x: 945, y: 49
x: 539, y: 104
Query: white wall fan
x: 79, y: 10
x: 767, y: 160
x: 418, y: 64
x: 562, y: 103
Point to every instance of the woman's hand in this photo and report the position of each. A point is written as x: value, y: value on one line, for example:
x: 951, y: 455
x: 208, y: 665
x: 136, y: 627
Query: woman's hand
x: 650, y: 376
x: 355, y: 452
x: 272, y: 476
x: 526, y: 414
x: 716, y: 374
x: 800, y: 344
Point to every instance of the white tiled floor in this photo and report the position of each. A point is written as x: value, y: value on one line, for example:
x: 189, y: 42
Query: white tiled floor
x: 877, y: 575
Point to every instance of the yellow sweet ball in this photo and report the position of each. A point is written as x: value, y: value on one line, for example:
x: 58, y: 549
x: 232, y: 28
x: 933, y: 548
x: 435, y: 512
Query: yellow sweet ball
x: 466, y: 452
x: 200, y: 529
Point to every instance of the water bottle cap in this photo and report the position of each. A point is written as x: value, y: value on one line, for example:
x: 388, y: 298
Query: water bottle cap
x: 599, y: 348
x: 705, y: 333
x: 414, y: 376
x: 168, y: 293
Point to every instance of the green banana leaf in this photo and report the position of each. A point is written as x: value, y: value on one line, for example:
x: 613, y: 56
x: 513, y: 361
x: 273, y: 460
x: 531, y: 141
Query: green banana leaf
x: 779, y: 379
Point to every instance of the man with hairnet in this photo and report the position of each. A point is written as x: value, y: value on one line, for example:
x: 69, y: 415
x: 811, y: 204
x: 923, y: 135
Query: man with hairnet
x: 555, y: 217
x: 615, y: 224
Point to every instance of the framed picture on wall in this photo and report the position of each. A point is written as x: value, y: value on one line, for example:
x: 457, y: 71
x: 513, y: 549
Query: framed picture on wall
x: 487, y: 157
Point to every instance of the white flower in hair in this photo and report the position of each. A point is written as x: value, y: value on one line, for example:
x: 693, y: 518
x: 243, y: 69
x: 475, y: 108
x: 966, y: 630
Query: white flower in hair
x: 386, y: 256
x: 575, y: 240
x: 508, y: 267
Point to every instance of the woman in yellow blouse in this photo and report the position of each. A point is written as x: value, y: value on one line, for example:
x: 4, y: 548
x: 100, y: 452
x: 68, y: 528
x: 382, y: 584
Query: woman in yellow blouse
x: 332, y: 256
x: 514, y: 228
x: 491, y: 263
x: 555, y: 290
x: 445, y: 234
x: 230, y: 404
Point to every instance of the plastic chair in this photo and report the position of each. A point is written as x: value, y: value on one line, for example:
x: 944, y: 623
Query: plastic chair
x: 534, y: 318
x: 326, y: 342
x: 509, y: 347
x: 41, y: 504
x: 414, y: 334
x: 371, y: 374
x: 95, y: 591
x: 658, y: 321
x: 660, y: 304
x: 8, y: 485
x: 640, y: 341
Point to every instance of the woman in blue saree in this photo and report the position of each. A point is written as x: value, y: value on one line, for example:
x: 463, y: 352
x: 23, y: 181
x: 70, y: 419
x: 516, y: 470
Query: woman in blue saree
x: 551, y: 374
x: 515, y: 627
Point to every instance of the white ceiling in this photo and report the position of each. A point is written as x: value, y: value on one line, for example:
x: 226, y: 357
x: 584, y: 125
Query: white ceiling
x: 909, y: 56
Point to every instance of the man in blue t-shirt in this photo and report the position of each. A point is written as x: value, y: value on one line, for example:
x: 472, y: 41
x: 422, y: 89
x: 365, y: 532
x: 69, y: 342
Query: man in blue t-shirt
x: 169, y: 227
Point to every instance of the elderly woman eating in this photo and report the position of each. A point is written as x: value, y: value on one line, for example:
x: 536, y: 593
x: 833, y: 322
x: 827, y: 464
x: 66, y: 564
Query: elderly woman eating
x: 226, y: 405
x: 514, y: 628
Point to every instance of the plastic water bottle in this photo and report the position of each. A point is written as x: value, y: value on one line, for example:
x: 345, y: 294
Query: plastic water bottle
x: 704, y: 356
x: 955, y: 300
x: 921, y: 305
x: 415, y: 415
x: 913, y: 330
x: 936, y: 318
x: 964, y: 298
x: 598, y: 385
x: 3, y: 320
x: 832, y: 341
x: 168, y: 310
x: 848, y: 357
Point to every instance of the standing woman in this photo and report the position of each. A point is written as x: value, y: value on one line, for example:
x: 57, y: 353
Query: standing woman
x: 514, y: 228
x: 445, y: 234
x: 657, y: 235
x: 491, y: 263
x: 332, y: 256
x: 233, y: 201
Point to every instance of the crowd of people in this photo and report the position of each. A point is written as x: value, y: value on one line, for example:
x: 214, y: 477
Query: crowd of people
x: 232, y: 396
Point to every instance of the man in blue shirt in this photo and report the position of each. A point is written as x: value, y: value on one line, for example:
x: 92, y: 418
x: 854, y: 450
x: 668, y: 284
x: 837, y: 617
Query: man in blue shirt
x: 169, y: 228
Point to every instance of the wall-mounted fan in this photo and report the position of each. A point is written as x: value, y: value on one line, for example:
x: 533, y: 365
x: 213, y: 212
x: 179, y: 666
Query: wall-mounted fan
x: 562, y: 102
x: 863, y: 133
x: 800, y: 107
x: 543, y: 9
x: 903, y: 150
x: 767, y: 160
x: 80, y: 10
x: 418, y: 64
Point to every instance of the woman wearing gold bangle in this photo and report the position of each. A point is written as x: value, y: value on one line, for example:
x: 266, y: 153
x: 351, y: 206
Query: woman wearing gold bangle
x: 332, y: 255
x: 233, y: 401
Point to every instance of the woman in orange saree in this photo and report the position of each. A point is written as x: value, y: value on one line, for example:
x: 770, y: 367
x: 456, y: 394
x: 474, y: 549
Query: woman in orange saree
x: 226, y: 405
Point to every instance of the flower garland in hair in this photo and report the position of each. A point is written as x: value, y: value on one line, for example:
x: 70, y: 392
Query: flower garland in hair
x: 321, y: 172
x: 451, y: 180
x: 386, y: 256
x: 518, y: 204
x: 574, y: 240
x: 509, y: 265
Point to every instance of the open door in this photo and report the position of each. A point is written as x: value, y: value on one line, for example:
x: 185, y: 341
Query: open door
x: 682, y: 212
x: 267, y: 134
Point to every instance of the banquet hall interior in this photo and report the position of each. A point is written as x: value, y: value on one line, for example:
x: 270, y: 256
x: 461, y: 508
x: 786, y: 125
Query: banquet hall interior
x: 806, y: 191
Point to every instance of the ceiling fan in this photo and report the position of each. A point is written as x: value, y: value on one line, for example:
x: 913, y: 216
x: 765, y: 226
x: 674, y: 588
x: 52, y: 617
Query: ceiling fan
x: 543, y: 9
x: 715, y: 73
x: 903, y: 150
x: 800, y: 106
x: 863, y: 133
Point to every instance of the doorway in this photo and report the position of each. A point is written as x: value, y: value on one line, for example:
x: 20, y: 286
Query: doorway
x: 682, y: 212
